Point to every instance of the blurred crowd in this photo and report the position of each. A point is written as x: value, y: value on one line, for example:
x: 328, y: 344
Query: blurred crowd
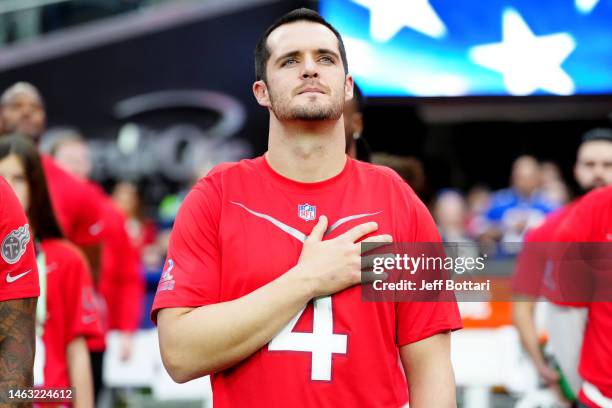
x: 493, y: 219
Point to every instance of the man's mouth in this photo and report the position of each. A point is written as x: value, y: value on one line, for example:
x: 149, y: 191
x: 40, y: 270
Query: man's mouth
x: 311, y: 90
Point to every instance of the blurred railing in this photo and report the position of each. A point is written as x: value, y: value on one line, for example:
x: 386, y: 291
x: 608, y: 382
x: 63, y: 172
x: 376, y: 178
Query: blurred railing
x: 22, y: 20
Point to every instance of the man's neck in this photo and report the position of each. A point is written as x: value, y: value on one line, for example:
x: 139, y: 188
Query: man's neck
x: 307, y: 151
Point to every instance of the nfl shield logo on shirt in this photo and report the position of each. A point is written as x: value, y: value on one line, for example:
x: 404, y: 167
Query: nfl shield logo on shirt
x: 307, y: 212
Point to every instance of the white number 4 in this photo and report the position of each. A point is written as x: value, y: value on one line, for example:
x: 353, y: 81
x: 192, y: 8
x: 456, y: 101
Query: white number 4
x: 322, y: 342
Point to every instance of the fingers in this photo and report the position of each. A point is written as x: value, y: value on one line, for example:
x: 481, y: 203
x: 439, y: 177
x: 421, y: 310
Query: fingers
x: 369, y: 277
x: 360, y: 230
x: 319, y: 230
x: 375, y: 242
x: 378, y: 261
x: 383, y: 239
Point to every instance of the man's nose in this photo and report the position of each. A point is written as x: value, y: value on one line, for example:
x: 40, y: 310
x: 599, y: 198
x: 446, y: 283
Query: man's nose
x: 310, y: 69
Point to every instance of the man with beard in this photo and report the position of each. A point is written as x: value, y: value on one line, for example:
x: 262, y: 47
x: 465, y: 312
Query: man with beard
x: 593, y: 169
x: 260, y: 286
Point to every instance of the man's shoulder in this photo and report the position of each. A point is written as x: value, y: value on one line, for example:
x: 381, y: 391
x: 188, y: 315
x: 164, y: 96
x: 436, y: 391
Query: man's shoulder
x: 229, y: 169
x: 61, y: 250
x: 600, y: 198
x: 379, y: 173
x: 222, y: 178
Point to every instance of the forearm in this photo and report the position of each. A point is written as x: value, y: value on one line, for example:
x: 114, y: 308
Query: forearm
x: 79, y: 370
x: 17, y: 345
x: 429, y: 371
x: 205, y: 340
x: 433, y: 388
x: 523, y: 316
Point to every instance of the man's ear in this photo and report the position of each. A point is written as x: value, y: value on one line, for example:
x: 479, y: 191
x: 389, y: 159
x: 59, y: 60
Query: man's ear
x: 260, y: 90
x: 348, y: 87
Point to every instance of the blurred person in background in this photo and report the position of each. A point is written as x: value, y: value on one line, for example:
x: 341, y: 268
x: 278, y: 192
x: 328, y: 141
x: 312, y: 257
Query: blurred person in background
x: 593, y: 169
x: 142, y: 230
x: 515, y: 210
x: 590, y: 221
x: 410, y: 169
x: 554, y: 188
x: 77, y: 210
x: 121, y: 282
x: 357, y: 146
x: 19, y: 289
x: 65, y: 314
x: 450, y: 213
x: 478, y: 202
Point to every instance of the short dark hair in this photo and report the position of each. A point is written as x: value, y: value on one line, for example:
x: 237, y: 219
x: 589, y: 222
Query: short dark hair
x: 40, y: 214
x: 597, y: 134
x: 262, y: 53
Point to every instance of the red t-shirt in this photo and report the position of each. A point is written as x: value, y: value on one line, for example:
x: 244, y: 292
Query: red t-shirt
x: 591, y: 221
x: 534, y: 275
x: 243, y: 226
x: 18, y: 271
x: 121, y: 283
x: 76, y: 207
x: 70, y: 307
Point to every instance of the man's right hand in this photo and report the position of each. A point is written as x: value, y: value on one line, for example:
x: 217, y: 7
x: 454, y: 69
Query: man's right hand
x: 333, y: 265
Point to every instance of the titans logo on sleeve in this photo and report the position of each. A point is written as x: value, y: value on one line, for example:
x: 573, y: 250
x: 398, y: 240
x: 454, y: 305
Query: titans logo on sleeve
x: 14, y: 245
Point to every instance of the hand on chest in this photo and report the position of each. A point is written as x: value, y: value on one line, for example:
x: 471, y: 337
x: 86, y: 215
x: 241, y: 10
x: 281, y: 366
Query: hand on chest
x: 265, y: 240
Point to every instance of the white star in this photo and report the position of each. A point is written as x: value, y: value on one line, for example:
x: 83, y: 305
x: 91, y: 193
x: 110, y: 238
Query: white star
x: 586, y: 6
x: 526, y: 61
x: 388, y: 17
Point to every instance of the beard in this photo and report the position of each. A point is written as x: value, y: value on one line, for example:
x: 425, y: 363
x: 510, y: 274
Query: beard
x: 29, y: 130
x: 309, y: 111
x: 597, y: 183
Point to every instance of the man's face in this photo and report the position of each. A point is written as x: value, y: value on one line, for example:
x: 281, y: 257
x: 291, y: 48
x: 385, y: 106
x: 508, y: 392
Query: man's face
x: 74, y: 158
x: 594, y: 165
x: 526, y: 176
x: 305, y: 74
x: 24, y: 113
x: 13, y: 171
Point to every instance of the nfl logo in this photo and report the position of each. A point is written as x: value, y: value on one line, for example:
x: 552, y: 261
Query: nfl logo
x: 307, y: 212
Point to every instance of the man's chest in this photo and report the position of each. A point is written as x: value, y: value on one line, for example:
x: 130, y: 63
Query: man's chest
x: 262, y: 237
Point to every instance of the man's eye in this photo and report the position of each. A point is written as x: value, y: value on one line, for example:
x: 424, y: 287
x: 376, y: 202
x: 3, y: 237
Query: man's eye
x: 289, y: 61
x: 326, y: 59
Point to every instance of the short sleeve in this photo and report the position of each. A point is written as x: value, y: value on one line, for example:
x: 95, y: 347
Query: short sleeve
x: 419, y: 320
x: 530, y: 266
x: 191, y: 276
x: 18, y: 271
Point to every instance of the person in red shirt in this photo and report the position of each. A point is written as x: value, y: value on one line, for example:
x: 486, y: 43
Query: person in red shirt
x: 121, y: 283
x: 76, y: 204
x: 18, y: 292
x: 593, y: 169
x: 65, y: 314
x: 260, y: 286
x: 591, y: 222
x: 78, y: 212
